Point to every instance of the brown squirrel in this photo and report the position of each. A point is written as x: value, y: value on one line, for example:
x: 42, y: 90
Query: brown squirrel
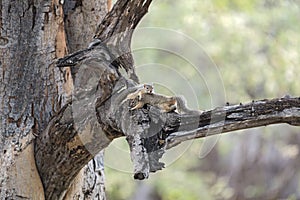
x: 165, y: 103
x: 146, y: 89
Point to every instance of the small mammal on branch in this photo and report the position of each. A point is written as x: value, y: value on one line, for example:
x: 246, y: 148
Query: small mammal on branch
x: 146, y: 89
x: 165, y: 103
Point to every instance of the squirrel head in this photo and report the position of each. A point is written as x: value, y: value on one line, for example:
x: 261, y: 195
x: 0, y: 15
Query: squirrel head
x: 149, y: 88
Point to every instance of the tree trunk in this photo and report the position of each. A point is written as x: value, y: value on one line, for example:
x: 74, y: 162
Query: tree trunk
x: 70, y: 114
x: 32, y: 89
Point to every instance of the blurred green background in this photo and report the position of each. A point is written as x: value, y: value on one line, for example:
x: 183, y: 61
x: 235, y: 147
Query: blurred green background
x: 213, y: 52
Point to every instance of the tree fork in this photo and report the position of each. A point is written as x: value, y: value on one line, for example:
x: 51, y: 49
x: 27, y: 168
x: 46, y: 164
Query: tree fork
x: 150, y: 129
x: 60, y: 141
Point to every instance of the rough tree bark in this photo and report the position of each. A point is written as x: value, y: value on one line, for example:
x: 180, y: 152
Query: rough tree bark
x: 81, y: 21
x: 95, y: 62
x: 73, y: 113
x: 30, y: 89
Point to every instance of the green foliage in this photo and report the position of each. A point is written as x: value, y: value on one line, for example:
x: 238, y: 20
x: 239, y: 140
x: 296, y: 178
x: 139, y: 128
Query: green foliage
x: 255, y: 44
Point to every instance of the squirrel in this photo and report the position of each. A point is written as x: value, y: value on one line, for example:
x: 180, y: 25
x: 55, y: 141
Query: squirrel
x: 165, y: 103
x: 146, y: 89
x: 144, y: 95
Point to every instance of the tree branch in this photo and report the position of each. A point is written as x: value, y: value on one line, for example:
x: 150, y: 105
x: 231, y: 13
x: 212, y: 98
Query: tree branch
x: 238, y: 117
x: 124, y: 16
x: 149, y: 131
x: 74, y: 135
x: 117, y: 28
x: 115, y: 31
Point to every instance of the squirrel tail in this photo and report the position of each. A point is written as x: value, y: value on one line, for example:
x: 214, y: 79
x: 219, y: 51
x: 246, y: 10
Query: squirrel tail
x: 182, y: 108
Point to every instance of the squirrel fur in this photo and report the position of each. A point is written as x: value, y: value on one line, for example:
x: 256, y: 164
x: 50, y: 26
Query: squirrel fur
x: 146, y: 89
x: 165, y: 103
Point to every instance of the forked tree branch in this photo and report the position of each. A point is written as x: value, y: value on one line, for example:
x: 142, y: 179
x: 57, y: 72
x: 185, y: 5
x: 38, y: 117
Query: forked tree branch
x: 115, y: 31
x: 149, y: 131
x: 60, y: 151
x: 124, y: 16
x: 98, y: 113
